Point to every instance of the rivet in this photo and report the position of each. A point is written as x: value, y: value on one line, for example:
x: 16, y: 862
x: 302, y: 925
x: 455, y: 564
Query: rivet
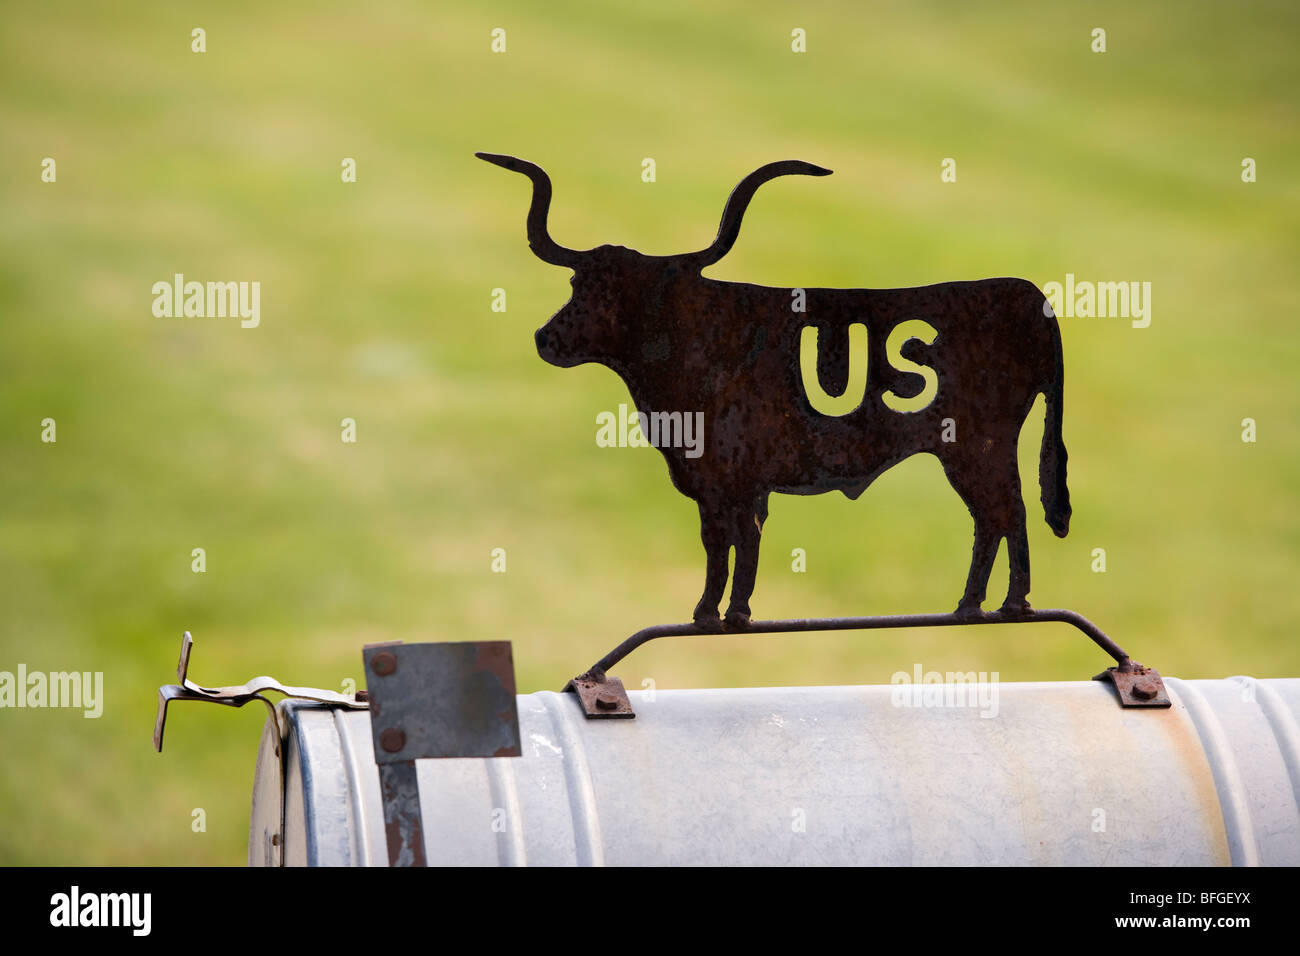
x: 1144, y: 689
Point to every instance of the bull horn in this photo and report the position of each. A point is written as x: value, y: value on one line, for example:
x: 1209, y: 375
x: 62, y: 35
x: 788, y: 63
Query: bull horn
x: 539, y: 240
x: 737, y: 203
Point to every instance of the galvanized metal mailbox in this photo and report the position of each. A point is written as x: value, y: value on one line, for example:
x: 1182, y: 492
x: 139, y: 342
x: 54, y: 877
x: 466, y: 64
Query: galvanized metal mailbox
x: 952, y: 774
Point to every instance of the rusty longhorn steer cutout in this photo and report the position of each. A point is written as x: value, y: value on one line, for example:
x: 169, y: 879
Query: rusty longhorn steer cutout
x: 950, y: 369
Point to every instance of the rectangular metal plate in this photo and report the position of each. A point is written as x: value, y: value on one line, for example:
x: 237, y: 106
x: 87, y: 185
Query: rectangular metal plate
x: 442, y: 700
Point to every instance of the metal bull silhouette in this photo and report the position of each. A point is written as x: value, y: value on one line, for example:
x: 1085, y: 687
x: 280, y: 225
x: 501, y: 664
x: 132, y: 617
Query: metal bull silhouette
x: 975, y: 355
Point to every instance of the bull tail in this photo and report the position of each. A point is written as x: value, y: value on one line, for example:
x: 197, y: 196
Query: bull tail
x: 1052, y: 457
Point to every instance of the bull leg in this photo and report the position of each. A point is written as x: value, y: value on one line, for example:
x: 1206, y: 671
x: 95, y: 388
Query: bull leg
x: 1017, y: 554
x: 713, y: 532
x: 972, y: 484
x: 749, y: 533
x: 983, y: 552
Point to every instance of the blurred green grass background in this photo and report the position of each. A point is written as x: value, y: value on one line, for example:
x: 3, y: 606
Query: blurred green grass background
x: 182, y: 433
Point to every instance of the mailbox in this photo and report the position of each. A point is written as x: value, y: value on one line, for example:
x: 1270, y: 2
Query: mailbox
x: 964, y: 774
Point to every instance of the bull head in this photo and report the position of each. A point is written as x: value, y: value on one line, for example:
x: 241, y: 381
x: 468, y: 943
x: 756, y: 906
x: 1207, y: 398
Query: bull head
x: 616, y: 289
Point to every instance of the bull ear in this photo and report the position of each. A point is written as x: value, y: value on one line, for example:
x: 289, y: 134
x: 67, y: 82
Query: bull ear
x: 738, y: 202
x: 539, y: 238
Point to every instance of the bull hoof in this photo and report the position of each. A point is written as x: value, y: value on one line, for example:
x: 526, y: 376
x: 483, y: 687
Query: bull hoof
x: 737, y: 621
x: 708, y: 622
x: 1015, y: 609
x: 969, y: 609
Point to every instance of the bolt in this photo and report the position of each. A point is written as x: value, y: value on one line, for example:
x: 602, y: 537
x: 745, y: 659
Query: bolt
x: 363, y: 696
x: 392, y: 740
x: 383, y: 663
x: 1144, y: 689
x: 607, y: 701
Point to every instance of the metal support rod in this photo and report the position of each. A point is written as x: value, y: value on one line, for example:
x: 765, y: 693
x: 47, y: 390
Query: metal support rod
x: 645, y: 635
x: 403, y: 823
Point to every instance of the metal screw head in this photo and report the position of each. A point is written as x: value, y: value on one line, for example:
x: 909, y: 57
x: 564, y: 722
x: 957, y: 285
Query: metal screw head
x: 392, y: 740
x: 383, y: 663
x: 606, y: 701
x: 1144, y: 689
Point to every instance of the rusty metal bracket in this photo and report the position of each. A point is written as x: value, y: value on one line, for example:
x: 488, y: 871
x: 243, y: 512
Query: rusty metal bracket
x: 603, y: 696
x: 1137, y: 686
x: 434, y: 701
x: 237, y: 696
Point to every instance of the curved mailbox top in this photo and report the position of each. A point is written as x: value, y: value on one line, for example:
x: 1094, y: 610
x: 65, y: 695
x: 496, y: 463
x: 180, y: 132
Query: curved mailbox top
x: 1004, y: 774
